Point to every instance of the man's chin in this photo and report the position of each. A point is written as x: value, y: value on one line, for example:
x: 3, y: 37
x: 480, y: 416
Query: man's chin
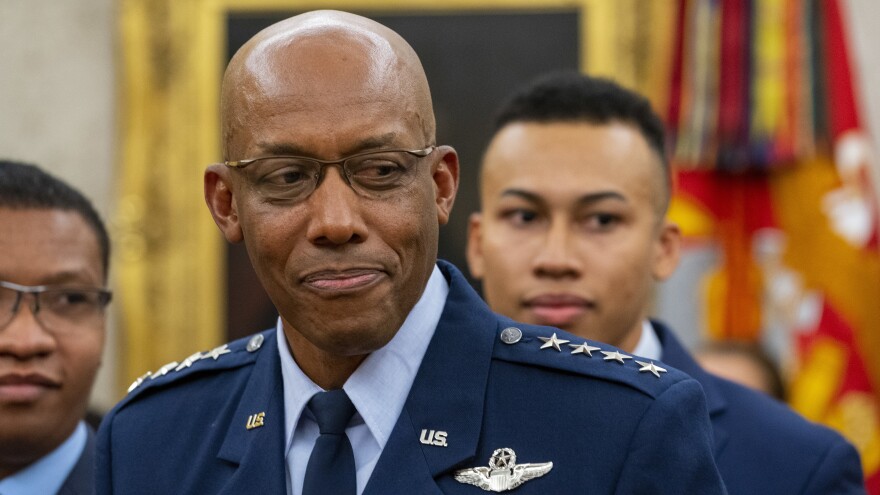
x: 347, y: 335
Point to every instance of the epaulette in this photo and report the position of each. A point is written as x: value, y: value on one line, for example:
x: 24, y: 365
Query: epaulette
x: 553, y: 348
x: 224, y: 357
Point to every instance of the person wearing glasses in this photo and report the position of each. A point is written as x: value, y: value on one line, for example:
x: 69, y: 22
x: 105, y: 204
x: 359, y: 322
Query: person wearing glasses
x: 54, y: 253
x: 386, y: 373
x: 573, y: 233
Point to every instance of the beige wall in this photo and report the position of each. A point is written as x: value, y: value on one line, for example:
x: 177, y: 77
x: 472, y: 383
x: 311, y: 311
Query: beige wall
x: 863, y: 17
x: 57, y: 95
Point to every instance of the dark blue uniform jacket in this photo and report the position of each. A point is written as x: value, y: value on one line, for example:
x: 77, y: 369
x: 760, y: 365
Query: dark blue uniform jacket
x: 607, y: 427
x: 762, y: 446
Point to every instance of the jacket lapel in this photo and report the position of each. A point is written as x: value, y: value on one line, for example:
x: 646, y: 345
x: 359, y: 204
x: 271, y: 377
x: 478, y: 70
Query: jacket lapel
x: 258, y: 451
x: 447, y: 396
x: 674, y: 354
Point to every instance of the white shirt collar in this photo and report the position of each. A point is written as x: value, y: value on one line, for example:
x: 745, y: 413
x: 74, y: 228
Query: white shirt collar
x: 649, y: 345
x: 379, y: 387
x: 48, y: 473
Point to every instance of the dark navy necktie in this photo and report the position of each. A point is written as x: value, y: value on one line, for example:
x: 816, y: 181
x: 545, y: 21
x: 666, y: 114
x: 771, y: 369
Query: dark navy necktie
x: 331, y: 466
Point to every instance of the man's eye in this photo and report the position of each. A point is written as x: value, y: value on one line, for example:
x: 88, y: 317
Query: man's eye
x: 602, y: 221
x: 73, y: 297
x: 378, y: 174
x: 67, y: 299
x: 520, y: 216
x: 287, y: 176
x: 377, y: 169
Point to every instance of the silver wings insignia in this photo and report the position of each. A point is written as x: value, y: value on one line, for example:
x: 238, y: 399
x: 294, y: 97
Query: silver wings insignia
x: 503, y: 473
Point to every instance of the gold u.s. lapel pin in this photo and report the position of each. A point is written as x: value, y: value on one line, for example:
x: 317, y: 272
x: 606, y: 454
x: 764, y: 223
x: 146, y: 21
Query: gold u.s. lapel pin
x: 256, y: 420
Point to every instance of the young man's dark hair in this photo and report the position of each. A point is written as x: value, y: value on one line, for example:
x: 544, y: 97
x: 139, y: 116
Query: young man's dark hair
x: 26, y: 186
x: 575, y: 97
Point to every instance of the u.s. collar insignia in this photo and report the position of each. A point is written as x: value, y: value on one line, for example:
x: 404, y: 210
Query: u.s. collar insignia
x: 503, y: 473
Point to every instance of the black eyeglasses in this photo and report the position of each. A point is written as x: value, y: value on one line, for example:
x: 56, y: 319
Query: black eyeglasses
x: 372, y: 174
x: 55, y: 307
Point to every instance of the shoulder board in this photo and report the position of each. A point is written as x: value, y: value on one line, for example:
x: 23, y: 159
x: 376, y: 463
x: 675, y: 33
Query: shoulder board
x: 556, y: 349
x: 223, y: 357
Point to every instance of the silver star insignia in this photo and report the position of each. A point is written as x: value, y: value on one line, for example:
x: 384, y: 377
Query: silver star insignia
x: 552, y: 342
x: 615, y: 356
x: 189, y: 361
x: 503, y: 473
x: 164, y: 370
x: 651, y: 367
x: 216, y: 352
x: 139, y: 380
x: 584, y: 348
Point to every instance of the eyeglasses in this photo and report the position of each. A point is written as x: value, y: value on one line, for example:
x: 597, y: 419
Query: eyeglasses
x: 372, y: 174
x: 55, y: 307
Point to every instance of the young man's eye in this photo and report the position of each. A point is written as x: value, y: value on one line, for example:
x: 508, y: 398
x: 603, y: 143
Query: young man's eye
x: 606, y: 218
x: 602, y: 221
x: 520, y: 216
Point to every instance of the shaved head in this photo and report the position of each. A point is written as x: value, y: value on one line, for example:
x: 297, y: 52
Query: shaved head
x: 343, y: 268
x: 335, y: 56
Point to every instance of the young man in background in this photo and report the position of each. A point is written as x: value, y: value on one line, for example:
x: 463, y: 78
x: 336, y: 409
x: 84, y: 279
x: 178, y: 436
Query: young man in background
x: 573, y: 234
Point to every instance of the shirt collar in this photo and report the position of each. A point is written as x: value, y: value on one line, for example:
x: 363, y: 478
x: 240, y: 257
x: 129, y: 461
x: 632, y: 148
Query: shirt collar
x: 649, y: 345
x: 48, y: 473
x: 379, y: 387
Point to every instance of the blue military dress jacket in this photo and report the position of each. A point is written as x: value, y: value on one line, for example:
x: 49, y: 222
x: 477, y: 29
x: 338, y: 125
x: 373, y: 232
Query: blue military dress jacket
x: 762, y: 446
x: 214, y: 424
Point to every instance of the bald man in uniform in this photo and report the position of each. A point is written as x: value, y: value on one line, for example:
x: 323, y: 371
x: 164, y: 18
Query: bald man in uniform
x: 386, y: 374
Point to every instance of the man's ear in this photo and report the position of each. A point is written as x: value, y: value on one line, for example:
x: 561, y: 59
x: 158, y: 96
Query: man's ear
x: 445, y: 174
x: 475, y: 245
x: 221, y: 202
x: 668, y: 251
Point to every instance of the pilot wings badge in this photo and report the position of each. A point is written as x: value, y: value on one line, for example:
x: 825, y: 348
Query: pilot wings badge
x: 503, y: 473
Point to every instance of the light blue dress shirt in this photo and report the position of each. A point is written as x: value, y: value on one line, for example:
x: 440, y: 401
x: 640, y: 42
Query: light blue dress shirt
x: 649, y: 345
x: 378, y: 389
x: 48, y: 474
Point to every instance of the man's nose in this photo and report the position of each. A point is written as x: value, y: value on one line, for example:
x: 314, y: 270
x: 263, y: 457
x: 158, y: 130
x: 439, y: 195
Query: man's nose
x: 558, y: 257
x: 336, y: 212
x: 24, y: 336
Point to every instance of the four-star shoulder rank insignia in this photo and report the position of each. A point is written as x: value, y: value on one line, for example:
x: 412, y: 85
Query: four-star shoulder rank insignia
x: 552, y: 342
x: 651, y: 367
x: 615, y: 356
x: 586, y: 349
x: 503, y: 473
x: 255, y: 343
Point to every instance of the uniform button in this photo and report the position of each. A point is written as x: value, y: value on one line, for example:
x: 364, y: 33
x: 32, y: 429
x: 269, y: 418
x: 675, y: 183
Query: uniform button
x: 255, y: 343
x: 511, y: 335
